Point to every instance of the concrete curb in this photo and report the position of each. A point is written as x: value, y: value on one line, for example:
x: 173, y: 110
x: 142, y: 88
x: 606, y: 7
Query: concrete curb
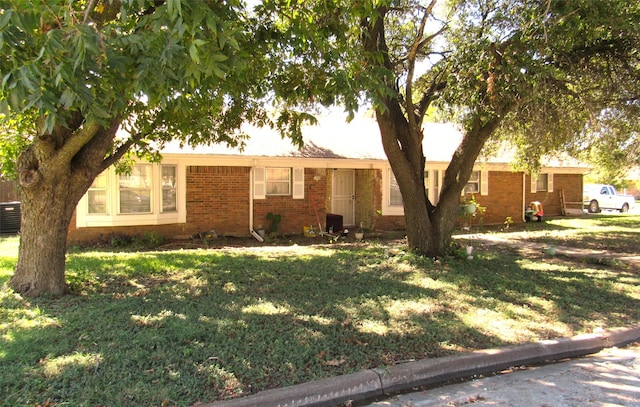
x: 428, y: 372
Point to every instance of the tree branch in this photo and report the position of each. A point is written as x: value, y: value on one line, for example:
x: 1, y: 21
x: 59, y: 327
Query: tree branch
x: 418, y: 43
x: 87, y: 11
x: 120, y: 151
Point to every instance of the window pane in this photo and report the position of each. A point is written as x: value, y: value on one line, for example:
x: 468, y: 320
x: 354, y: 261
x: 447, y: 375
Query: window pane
x: 169, y: 200
x: 97, y: 195
x: 542, y: 182
x: 277, y: 188
x: 135, y: 190
x: 100, y: 181
x: 473, y: 186
x: 168, y: 176
x: 278, y: 181
x: 395, y: 197
x: 97, y: 201
x: 169, y: 189
x: 278, y: 174
x: 140, y: 177
x: 135, y: 201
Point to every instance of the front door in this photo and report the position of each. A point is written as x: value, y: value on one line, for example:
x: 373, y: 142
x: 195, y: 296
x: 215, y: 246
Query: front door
x: 343, y: 193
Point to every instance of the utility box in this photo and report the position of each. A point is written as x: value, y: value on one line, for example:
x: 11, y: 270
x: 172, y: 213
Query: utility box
x: 334, y: 223
x: 10, y: 217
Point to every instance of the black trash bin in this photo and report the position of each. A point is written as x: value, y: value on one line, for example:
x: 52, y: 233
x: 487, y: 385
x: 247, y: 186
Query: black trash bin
x: 9, y: 217
x: 334, y: 222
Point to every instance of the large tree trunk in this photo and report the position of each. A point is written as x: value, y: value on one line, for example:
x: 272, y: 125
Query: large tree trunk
x: 429, y: 228
x: 54, y: 174
x: 46, y: 213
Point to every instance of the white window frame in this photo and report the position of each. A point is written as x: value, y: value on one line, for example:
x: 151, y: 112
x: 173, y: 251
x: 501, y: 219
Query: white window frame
x: 261, y: 182
x: 482, y: 183
x: 394, y: 192
x: 104, y: 189
x: 474, y: 183
x: 387, y: 208
x: 270, y: 183
x: 171, y: 188
x: 156, y: 216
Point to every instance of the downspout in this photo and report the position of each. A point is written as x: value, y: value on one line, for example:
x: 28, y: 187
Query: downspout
x: 524, y: 195
x: 253, y: 232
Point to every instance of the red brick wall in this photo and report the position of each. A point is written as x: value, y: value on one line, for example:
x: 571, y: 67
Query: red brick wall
x: 218, y: 198
x: 571, y: 184
x: 295, y: 213
x: 504, y: 198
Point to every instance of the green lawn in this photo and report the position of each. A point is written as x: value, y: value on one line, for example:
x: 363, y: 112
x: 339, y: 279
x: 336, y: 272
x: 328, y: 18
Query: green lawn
x: 178, y: 327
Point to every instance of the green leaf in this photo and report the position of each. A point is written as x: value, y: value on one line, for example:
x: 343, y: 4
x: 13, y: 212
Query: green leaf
x: 218, y: 57
x: 193, y: 53
x: 217, y: 71
x: 67, y: 98
x: 49, y: 123
x: 174, y: 8
x: 5, y: 18
x: 4, y: 107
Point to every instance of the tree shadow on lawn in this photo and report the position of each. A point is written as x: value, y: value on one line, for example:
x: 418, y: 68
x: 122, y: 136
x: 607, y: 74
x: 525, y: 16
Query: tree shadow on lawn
x: 579, y: 294
x: 202, y: 326
x: 618, y: 242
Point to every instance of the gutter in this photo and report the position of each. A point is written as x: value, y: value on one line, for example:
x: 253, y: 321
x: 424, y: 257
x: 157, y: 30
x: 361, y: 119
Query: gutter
x: 253, y: 232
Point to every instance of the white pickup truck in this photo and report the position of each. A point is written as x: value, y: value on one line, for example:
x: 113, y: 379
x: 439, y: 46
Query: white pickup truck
x: 599, y: 196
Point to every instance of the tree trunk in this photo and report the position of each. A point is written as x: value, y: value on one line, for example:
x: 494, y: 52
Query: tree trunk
x: 43, y: 243
x: 54, y: 174
x: 429, y: 228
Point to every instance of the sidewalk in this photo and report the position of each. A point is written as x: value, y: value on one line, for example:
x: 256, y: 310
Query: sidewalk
x: 377, y: 383
x: 608, y: 378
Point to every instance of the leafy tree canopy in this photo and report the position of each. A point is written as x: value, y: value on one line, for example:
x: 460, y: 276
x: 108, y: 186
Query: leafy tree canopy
x: 187, y: 70
x: 539, y: 74
x: 554, y: 72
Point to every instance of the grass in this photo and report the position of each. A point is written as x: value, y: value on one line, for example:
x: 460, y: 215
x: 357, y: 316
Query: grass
x: 164, y: 328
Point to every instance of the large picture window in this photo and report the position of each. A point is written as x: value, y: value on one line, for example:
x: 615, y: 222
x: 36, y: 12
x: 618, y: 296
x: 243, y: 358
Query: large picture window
x: 279, y: 181
x: 150, y: 194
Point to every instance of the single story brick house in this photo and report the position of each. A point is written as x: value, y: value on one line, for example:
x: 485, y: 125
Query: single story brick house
x: 341, y: 171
